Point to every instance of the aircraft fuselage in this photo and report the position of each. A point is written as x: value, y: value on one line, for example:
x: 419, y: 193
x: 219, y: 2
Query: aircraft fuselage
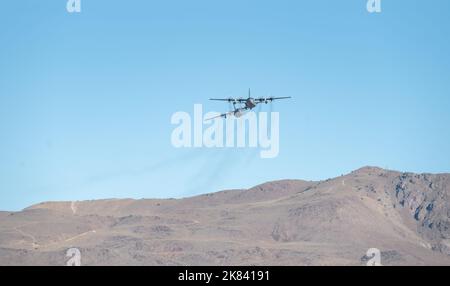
x: 250, y: 103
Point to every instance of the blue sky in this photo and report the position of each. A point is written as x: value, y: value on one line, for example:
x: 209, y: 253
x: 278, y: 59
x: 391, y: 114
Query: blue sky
x: 86, y: 99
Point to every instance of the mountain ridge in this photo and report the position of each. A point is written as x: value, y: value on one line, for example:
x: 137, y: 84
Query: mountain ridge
x: 285, y: 222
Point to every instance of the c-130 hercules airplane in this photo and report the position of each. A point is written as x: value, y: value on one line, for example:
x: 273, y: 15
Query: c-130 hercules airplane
x: 246, y: 104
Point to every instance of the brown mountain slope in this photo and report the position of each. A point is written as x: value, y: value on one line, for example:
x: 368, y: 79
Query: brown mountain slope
x: 332, y: 222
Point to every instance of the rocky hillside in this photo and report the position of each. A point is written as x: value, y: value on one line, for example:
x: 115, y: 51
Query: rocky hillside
x: 291, y: 222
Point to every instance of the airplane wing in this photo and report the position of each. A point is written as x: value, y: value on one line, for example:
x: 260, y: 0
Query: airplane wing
x: 276, y: 98
x: 270, y: 99
x: 237, y: 112
x: 224, y: 115
x: 223, y: 99
x: 240, y: 100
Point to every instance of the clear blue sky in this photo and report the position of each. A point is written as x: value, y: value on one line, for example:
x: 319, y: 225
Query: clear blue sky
x: 86, y: 99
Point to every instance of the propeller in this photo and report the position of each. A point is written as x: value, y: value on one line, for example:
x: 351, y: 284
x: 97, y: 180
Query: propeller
x: 261, y: 99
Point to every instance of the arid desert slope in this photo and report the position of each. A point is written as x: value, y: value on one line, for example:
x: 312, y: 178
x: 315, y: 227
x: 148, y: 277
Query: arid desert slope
x: 290, y: 222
